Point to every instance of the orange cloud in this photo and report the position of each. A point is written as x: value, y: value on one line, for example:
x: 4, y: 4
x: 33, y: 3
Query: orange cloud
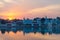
x: 44, y: 9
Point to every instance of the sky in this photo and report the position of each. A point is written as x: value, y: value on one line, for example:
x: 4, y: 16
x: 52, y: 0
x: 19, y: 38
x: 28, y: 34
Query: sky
x: 10, y: 9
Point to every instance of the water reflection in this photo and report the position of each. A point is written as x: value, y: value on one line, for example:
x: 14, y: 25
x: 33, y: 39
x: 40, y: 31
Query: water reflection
x: 27, y: 34
x: 25, y: 31
x: 31, y: 36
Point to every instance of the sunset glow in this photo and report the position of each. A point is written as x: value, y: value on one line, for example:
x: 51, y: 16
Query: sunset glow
x: 10, y: 16
x: 10, y: 9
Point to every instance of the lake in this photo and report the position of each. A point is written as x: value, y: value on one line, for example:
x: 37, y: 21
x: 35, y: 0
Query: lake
x: 19, y: 35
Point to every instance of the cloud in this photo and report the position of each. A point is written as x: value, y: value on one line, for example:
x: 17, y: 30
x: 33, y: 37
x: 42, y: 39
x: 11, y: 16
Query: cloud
x: 1, y: 4
x: 50, y: 11
x: 8, y: 1
x: 13, y: 1
x: 45, y: 9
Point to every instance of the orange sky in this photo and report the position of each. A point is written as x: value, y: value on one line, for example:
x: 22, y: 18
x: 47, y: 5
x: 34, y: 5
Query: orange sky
x: 10, y: 9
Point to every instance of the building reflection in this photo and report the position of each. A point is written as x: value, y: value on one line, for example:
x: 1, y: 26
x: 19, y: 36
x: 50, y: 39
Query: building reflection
x: 25, y: 30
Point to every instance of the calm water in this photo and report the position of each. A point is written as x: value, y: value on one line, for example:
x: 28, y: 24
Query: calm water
x: 30, y: 36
